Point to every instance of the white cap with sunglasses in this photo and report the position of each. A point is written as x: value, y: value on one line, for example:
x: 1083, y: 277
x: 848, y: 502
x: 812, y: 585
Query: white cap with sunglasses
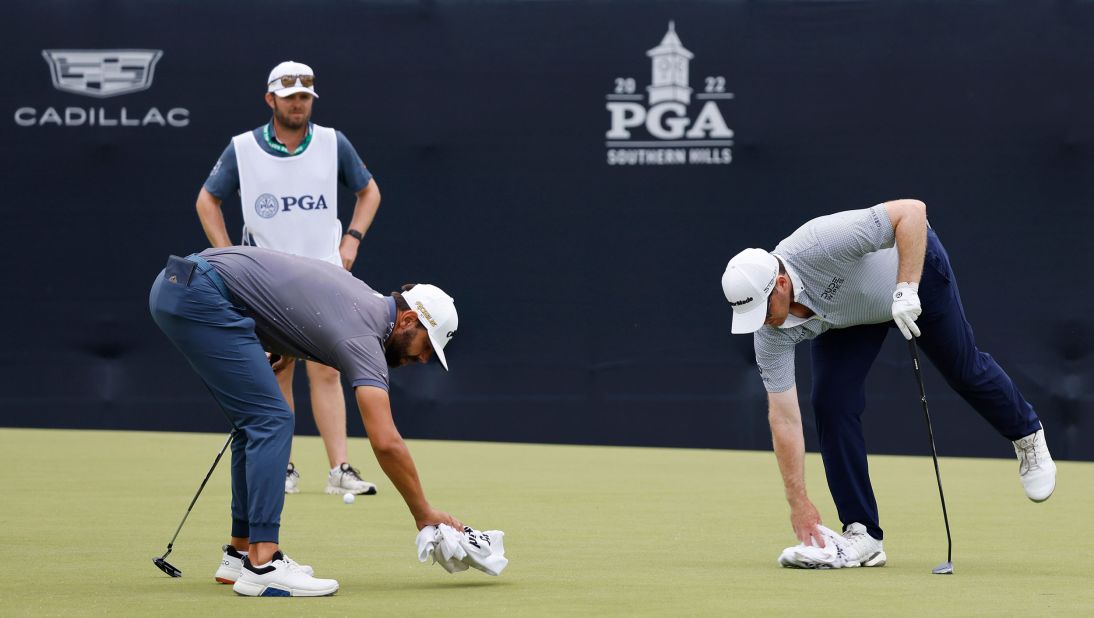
x: 747, y: 282
x: 289, y: 78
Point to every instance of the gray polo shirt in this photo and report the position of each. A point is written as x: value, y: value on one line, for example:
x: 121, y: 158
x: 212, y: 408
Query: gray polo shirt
x: 308, y: 308
x: 843, y: 267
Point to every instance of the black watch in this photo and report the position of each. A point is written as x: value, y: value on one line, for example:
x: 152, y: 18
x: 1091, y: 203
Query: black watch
x: 358, y: 235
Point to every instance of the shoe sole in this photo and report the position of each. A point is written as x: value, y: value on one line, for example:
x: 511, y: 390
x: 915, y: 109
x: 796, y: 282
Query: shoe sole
x: 248, y: 589
x: 1050, y: 492
x: 371, y: 491
x: 222, y: 576
x: 877, y: 560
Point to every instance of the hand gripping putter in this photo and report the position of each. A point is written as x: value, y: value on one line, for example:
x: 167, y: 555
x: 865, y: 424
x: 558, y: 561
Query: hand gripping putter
x: 161, y: 562
x: 946, y: 568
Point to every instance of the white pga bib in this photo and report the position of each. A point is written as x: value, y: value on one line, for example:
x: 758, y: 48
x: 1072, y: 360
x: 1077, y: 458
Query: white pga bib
x: 291, y: 203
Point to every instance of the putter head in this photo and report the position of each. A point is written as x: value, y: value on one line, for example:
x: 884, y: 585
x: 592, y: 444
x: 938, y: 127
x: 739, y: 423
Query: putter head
x: 946, y: 568
x: 166, y: 567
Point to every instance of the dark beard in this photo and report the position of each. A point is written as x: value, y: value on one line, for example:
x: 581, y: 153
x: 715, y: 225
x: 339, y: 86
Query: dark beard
x: 395, y: 350
x: 283, y: 120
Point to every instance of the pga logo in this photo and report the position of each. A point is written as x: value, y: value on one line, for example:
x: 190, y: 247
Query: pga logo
x: 268, y: 205
x: 671, y: 123
x: 668, y: 120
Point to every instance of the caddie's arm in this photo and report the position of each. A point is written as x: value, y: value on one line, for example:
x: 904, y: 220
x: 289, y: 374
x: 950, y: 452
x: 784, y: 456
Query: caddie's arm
x: 394, y: 457
x: 909, y: 219
x: 789, y: 442
x: 212, y: 219
x: 364, y: 211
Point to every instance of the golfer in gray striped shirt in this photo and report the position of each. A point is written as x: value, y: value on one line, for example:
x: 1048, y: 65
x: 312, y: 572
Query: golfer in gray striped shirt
x: 843, y: 281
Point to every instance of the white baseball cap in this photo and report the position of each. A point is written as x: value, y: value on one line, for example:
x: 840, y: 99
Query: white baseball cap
x: 437, y: 312
x: 747, y: 282
x: 290, y: 69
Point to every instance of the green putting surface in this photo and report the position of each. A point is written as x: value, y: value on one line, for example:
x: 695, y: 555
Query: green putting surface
x: 589, y: 531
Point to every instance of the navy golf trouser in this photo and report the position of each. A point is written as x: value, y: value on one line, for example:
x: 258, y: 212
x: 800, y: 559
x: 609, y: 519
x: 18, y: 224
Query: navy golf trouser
x: 192, y: 307
x: 842, y: 357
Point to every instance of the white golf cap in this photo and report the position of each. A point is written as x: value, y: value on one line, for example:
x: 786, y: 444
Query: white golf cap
x: 290, y: 69
x: 747, y: 282
x: 437, y: 312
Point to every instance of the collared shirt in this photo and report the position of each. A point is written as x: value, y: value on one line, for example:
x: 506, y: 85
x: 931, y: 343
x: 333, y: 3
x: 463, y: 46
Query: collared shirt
x: 223, y: 180
x: 270, y: 135
x: 843, y: 267
x: 307, y: 308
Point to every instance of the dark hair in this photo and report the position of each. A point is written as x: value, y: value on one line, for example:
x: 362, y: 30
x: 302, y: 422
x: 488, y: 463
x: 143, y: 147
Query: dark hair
x: 402, y: 305
x: 782, y: 269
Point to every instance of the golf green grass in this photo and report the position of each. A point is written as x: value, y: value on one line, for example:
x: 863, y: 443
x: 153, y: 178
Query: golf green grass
x: 595, y: 531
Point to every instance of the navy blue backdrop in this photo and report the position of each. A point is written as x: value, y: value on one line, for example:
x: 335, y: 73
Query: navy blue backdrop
x: 578, y: 196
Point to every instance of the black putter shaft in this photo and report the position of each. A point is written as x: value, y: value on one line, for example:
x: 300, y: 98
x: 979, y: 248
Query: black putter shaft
x: 946, y: 568
x: 161, y: 562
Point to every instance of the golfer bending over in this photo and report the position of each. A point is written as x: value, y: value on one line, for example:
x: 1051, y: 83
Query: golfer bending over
x: 842, y: 281
x: 224, y: 309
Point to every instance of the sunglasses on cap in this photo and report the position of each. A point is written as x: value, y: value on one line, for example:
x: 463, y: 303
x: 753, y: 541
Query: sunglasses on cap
x: 288, y: 81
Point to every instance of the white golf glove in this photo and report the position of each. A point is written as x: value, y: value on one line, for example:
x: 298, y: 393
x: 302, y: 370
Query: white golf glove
x: 906, y: 308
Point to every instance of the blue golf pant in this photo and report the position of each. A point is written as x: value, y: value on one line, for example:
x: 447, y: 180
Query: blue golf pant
x: 191, y: 305
x: 842, y: 357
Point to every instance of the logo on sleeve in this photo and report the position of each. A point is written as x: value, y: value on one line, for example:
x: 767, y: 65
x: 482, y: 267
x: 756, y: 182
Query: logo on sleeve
x: 829, y: 292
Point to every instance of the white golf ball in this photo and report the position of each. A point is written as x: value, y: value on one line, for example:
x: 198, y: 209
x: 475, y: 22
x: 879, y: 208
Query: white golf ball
x: 349, y: 498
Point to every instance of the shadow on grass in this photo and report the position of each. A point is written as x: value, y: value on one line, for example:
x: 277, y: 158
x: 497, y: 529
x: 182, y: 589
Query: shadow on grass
x: 441, y: 585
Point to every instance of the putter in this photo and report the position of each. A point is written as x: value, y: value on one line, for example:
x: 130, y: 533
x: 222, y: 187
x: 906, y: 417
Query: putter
x: 161, y: 562
x: 946, y: 568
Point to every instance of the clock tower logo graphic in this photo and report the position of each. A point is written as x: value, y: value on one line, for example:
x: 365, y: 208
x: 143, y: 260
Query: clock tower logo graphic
x: 663, y: 127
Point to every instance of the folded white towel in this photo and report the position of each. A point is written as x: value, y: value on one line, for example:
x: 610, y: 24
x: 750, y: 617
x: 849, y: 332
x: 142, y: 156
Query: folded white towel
x: 810, y: 556
x: 456, y: 550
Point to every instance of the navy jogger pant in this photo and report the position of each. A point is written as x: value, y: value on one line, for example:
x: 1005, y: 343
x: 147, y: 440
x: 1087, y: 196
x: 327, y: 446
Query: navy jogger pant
x: 842, y: 357
x: 191, y: 305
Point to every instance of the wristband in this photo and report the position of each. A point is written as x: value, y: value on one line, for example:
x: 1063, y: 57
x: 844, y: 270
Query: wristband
x: 358, y: 235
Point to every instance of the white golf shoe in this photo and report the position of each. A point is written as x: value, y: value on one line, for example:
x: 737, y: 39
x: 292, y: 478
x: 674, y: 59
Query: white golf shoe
x: 346, y: 479
x: 861, y: 549
x: 292, y: 480
x: 231, y: 563
x: 1035, y: 466
x: 281, y: 578
x: 854, y: 548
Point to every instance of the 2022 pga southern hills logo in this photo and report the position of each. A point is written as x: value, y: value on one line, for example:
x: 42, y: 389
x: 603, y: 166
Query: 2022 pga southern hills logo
x: 101, y: 73
x: 661, y: 131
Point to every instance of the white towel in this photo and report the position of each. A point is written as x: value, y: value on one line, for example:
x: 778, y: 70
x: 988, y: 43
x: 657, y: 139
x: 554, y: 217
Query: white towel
x: 456, y: 550
x: 810, y: 556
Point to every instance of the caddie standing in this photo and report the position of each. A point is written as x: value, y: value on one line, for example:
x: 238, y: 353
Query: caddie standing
x: 287, y: 173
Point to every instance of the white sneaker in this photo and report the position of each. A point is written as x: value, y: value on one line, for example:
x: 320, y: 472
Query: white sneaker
x: 1035, y: 466
x: 862, y: 549
x: 231, y: 563
x: 292, y: 479
x: 281, y: 578
x: 346, y: 479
